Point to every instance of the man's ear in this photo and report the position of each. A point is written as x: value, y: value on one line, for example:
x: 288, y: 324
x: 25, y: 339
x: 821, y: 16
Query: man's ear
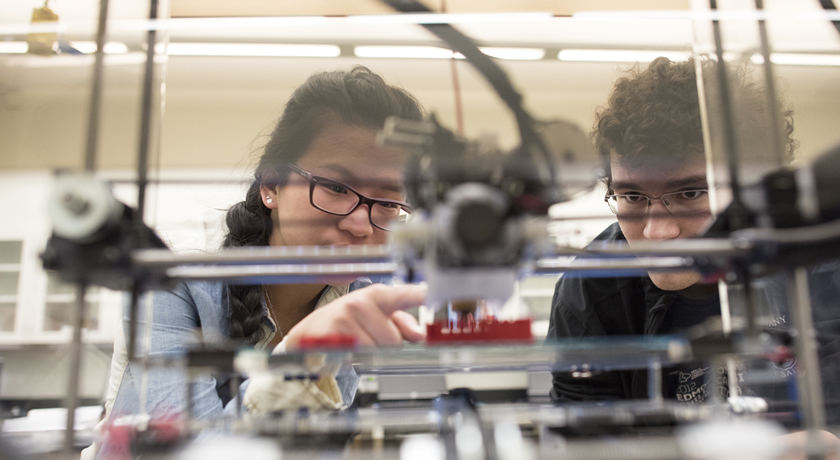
x: 269, y: 189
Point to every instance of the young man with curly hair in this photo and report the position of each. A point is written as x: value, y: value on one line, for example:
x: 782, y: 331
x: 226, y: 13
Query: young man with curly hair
x: 651, y: 142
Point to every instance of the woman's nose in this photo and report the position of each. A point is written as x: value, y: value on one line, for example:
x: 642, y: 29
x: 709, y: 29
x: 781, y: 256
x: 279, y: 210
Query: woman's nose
x: 357, y: 222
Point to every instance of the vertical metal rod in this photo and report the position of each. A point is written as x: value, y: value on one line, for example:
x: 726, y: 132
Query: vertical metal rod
x: 726, y: 326
x: 730, y: 138
x: 456, y: 93
x: 777, y: 140
x: 749, y: 304
x: 131, y: 346
x: 234, y: 391
x: 75, y: 371
x: 655, y: 381
x: 146, y: 116
x: 96, y: 89
x: 808, y: 384
x: 190, y: 392
x: 143, y: 167
x: 148, y: 320
x: 714, y: 388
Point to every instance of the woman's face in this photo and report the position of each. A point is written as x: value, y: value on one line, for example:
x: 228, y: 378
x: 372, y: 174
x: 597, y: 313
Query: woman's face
x: 346, y: 154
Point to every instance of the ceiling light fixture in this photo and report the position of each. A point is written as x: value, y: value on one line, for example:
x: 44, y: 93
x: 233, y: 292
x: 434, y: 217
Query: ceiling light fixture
x: 405, y: 52
x: 110, y: 47
x: 449, y: 18
x: 434, y: 52
x: 251, y: 49
x: 800, y: 59
x: 583, y: 55
x: 13, y: 47
x: 514, y: 54
x: 221, y: 23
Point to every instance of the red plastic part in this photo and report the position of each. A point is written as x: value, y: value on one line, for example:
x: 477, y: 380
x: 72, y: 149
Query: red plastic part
x: 328, y: 342
x: 489, y: 330
x: 165, y: 431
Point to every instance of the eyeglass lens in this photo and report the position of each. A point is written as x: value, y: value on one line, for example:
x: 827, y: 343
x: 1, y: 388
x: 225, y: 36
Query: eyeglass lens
x: 682, y: 202
x: 336, y: 198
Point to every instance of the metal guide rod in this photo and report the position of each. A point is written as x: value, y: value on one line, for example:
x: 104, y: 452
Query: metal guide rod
x: 585, y: 265
x: 726, y: 328
x: 74, y: 371
x: 655, y: 381
x: 772, y: 101
x: 280, y: 274
x: 809, y: 385
x: 131, y: 346
x: 749, y: 303
x: 269, y: 255
x: 292, y: 274
x: 266, y: 254
x: 729, y: 135
x: 143, y: 166
x: 146, y: 116
x: 96, y: 89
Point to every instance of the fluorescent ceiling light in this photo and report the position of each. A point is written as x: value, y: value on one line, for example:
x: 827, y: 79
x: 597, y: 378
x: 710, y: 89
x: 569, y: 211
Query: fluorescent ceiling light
x: 620, y: 55
x: 405, y: 52
x: 67, y: 60
x: 737, y: 15
x: 514, y: 54
x: 13, y: 47
x: 800, y: 59
x: 251, y: 49
x: 742, y: 15
x: 625, y: 15
x: 449, y: 18
x: 221, y: 23
x: 433, y: 52
x: 110, y: 47
x: 36, y: 28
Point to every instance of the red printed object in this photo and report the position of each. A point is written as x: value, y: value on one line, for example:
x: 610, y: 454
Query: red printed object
x: 489, y: 330
x: 160, y: 434
x: 328, y: 342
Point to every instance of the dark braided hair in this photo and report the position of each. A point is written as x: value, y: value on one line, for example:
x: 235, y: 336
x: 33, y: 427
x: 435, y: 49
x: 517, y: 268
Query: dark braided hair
x: 357, y: 97
x: 654, y: 111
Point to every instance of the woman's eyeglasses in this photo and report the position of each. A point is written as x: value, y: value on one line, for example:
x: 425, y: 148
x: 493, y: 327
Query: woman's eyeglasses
x: 338, y: 199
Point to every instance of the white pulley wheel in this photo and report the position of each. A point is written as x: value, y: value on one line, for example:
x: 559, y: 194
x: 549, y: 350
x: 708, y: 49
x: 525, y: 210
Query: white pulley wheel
x: 81, y: 205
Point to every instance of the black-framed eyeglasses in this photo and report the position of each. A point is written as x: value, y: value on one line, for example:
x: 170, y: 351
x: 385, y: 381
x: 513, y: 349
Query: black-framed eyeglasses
x: 683, y: 202
x: 338, y: 199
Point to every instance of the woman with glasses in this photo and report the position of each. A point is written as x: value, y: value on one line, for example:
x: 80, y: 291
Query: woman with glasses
x: 321, y: 180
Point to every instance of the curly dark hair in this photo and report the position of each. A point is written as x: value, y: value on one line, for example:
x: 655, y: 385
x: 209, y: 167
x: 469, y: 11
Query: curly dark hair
x: 357, y: 97
x: 654, y: 111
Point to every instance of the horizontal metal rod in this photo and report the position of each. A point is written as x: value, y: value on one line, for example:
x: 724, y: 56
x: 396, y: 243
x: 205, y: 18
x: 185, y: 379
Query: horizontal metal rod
x: 594, y: 264
x: 265, y: 255
x: 282, y: 274
x: 312, y: 273
x: 272, y: 255
x: 682, y: 247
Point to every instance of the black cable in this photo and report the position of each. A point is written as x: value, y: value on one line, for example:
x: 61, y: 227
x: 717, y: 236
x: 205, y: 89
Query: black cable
x: 828, y: 6
x: 494, y: 75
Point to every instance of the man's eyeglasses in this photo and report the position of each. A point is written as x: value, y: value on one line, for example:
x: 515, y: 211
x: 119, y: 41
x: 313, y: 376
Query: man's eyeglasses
x: 684, y: 202
x: 338, y: 199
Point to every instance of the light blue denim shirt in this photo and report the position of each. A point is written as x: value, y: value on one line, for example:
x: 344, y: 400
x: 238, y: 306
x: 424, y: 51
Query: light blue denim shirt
x: 188, y: 315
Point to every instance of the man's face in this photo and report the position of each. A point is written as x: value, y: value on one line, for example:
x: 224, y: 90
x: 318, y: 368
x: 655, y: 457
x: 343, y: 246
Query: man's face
x: 653, y: 179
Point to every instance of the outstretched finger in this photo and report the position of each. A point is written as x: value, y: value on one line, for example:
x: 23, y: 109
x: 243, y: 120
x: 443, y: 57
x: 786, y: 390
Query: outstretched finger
x: 396, y: 298
x: 408, y: 326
